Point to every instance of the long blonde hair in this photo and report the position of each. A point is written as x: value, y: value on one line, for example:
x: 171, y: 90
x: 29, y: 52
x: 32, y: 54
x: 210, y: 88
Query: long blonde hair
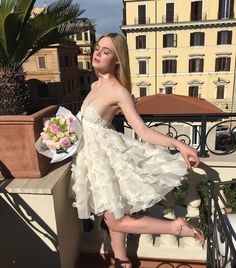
x: 122, y: 54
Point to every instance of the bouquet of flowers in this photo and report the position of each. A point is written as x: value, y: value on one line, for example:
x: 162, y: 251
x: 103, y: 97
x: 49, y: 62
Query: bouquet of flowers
x: 60, y: 136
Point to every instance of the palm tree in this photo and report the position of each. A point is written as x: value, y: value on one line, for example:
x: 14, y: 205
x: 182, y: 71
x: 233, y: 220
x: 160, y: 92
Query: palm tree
x: 23, y: 33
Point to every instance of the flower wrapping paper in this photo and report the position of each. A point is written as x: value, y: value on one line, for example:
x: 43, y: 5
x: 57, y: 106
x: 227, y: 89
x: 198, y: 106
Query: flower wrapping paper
x: 42, y: 148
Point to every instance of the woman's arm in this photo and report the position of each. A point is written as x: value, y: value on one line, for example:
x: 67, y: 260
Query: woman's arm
x: 152, y: 136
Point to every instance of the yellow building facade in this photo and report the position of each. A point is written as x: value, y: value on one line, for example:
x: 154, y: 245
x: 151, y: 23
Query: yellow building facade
x: 53, y: 76
x: 85, y: 41
x: 183, y: 47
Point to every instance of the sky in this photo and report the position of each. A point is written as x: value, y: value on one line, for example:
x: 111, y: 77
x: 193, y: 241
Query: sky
x: 106, y: 13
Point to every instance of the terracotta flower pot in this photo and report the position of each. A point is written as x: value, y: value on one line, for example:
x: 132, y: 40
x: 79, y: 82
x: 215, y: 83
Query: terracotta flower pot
x: 18, y: 155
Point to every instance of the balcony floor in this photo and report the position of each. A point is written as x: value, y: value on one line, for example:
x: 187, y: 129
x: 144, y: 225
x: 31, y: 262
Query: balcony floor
x: 90, y: 260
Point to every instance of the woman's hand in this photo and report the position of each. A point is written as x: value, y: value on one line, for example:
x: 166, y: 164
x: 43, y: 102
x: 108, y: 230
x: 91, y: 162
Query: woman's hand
x: 189, y: 154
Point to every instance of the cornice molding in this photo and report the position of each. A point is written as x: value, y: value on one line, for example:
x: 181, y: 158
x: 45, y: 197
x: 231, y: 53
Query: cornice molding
x: 179, y: 25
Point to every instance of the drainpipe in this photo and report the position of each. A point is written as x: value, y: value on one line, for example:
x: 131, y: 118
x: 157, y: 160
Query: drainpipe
x: 234, y: 87
x: 155, y: 47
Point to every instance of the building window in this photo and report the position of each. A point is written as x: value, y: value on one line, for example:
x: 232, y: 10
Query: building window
x: 169, y: 90
x: 197, y: 39
x: 169, y: 66
x: 79, y: 36
x: 195, y: 65
x: 169, y: 40
x: 92, y: 37
x: 220, y: 92
x: 226, y: 9
x: 141, y: 42
x: 196, y: 135
x: 88, y: 66
x: 170, y: 12
x: 196, y: 11
x: 222, y: 64
x: 141, y: 14
x: 142, y: 66
x: 86, y: 36
x: 80, y: 65
x: 42, y: 62
x: 193, y: 91
x: 224, y: 37
x: 142, y: 91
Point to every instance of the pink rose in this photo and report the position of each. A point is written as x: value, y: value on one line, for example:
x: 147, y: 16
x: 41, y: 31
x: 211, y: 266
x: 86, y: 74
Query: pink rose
x: 50, y: 144
x: 69, y: 121
x: 71, y: 129
x: 44, y: 135
x: 47, y: 123
x: 65, y: 142
x: 54, y: 128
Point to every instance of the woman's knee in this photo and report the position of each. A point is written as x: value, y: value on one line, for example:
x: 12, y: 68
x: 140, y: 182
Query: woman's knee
x: 112, y: 223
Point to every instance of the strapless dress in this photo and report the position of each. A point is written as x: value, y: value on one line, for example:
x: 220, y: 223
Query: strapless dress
x: 115, y: 173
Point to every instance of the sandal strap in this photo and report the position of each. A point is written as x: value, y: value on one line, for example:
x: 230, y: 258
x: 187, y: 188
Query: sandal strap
x: 121, y: 263
x: 181, y: 227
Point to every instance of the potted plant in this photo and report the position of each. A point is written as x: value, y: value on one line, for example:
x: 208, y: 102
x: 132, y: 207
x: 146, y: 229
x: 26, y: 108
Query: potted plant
x: 23, y: 33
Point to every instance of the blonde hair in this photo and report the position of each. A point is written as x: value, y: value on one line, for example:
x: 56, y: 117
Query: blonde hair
x: 122, y: 54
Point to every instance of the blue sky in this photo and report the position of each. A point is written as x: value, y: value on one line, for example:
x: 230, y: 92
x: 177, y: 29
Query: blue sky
x: 106, y: 13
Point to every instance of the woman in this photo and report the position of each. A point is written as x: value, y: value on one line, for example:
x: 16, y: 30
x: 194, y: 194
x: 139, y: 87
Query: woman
x: 114, y: 175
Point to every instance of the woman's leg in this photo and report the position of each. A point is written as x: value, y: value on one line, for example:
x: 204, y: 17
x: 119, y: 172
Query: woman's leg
x: 118, y: 243
x: 141, y: 224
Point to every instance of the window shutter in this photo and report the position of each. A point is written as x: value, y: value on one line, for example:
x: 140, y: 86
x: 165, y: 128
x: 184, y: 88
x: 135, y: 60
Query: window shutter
x: 217, y: 64
x: 164, y: 67
x: 201, y: 65
x: 228, y: 64
x: 191, y: 39
x: 220, y: 9
x: 175, y: 40
x: 202, y: 39
x: 174, y: 66
x: 229, y: 41
x: 190, y: 66
x: 218, y: 38
x: 164, y: 40
x: 137, y: 42
x: 231, y: 9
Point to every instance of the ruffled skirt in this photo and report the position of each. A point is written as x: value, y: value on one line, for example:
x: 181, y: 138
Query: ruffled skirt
x: 118, y: 174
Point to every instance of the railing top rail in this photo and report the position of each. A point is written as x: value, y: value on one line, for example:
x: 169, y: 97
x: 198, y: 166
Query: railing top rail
x: 183, y: 117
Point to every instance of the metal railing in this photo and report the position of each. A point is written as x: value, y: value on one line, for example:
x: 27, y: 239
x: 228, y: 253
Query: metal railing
x: 208, y: 128
x: 221, y: 251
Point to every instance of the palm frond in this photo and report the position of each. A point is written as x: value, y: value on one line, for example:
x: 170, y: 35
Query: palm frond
x: 22, y: 34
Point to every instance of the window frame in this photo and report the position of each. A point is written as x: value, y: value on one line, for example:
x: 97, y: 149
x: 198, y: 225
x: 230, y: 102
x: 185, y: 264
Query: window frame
x: 224, y: 62
x: 168, y: 64
x: 140, y: 62
x: 197, y: 39
x: 196, y: 65
x: 45, y: 62
x: 191, y: 87
x: 169, y: 38
x: 221, y: 38
x: 141, y: 41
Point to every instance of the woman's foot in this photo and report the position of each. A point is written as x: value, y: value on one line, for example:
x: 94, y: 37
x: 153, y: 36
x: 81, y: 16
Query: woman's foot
x: 122, y: 263
x: 183, y: 228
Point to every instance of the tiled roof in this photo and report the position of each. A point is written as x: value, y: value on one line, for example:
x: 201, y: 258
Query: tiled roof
x: 174, y: 104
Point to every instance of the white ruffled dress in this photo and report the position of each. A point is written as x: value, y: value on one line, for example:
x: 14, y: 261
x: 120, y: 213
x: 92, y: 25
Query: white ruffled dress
x: 115, y: 173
